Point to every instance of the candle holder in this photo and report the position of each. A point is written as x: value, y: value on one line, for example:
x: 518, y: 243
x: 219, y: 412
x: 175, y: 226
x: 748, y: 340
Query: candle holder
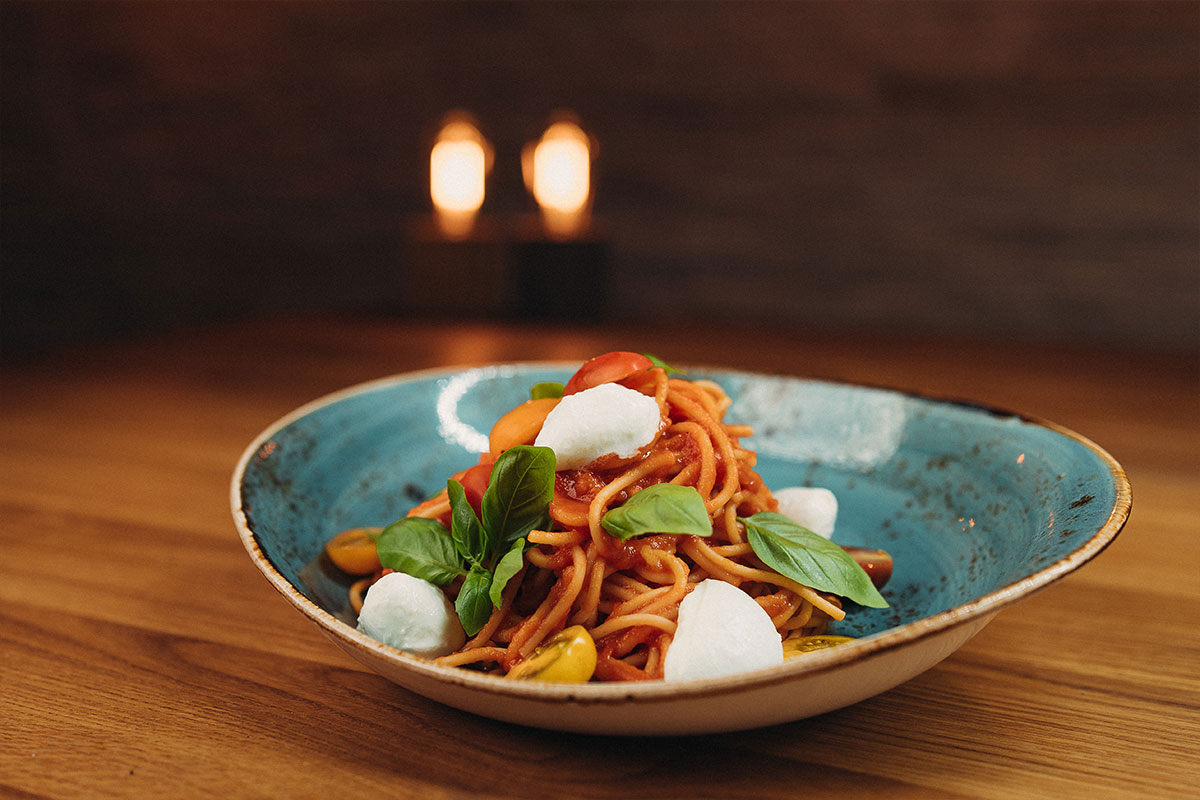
x: 551, y: 266
x: 461, y: 275
x: 559, y: 279
x: 560, y: 261
x: 456, y: 258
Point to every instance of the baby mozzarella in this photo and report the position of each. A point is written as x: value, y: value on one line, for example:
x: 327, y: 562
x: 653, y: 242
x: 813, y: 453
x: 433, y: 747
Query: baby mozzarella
x: 721, y: 631
x: 412, y: 615
x: 815, y: 509
x: 608, y: 418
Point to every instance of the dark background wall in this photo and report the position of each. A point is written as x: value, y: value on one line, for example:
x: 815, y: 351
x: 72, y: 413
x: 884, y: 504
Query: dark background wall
x: 981, y: 169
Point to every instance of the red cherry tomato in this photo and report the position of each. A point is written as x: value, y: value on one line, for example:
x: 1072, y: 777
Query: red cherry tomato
x: 608, y: 368
x: 475, y: 482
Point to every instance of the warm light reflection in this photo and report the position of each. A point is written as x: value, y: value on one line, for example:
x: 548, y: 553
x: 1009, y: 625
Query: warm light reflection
x: 558, y: 172
x: 458, y: 167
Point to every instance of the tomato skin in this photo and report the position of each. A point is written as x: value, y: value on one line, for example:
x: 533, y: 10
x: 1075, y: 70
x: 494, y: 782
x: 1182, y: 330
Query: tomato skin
x: 353, y: 550
x: 521, y: 425
x: 475, y: 482
x: 607, y: 368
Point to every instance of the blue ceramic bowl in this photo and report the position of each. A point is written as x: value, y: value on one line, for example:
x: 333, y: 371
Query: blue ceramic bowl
x: 978, y: 508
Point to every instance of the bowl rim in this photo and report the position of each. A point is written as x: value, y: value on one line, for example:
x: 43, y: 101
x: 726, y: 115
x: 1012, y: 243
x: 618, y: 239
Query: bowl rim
x: 865, y: 648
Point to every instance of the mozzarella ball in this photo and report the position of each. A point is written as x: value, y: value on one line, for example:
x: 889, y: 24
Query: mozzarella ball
x: 412, y: 615
x: 608, y: 418
x: 815, y: 509
x: 721, y: 631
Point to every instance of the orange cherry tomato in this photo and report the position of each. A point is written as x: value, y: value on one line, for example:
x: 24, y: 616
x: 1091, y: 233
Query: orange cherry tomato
x: 608, y: 368
x: 521, y: 425
x: 353, y: 551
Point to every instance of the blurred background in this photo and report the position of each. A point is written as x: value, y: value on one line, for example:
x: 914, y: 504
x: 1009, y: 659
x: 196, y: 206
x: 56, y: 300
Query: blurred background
x: 982, y: 170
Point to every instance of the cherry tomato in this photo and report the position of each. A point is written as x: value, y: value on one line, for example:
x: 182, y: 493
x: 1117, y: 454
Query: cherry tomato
x: 521, y: 425
x: 353, y: 550
x: 608, y: 368
x: 475, y: 482
x: 796, y: 646
x: 569, y: 657
x: 876, y: 563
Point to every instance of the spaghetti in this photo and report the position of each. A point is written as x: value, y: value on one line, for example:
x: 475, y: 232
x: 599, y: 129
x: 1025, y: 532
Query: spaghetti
x: 627, y: 593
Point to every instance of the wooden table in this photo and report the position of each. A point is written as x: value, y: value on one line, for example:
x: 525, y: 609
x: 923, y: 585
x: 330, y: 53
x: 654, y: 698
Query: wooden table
x: 142, y: 653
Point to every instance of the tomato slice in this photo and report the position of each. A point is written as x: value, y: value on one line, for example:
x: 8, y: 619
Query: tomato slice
x: 475, y: 482
x: 608, y: 368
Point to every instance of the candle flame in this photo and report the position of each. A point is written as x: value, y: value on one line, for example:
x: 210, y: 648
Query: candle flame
x: 458, y: 167
x: 558, y: 172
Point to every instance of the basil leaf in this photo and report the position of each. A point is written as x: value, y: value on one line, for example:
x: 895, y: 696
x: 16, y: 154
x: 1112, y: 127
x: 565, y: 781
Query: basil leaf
x: 793, y: 550
x: 661, y: 508
x: 510, y: 564
x: 658, y: 362
x: 518, y: 496
x: 474, y: 605
x: 420, y: 547
x: 545, y: 389
x: 468, y: 535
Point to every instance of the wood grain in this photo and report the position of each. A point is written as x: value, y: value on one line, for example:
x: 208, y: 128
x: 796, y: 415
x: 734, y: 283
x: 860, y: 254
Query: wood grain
x: 142, y: 654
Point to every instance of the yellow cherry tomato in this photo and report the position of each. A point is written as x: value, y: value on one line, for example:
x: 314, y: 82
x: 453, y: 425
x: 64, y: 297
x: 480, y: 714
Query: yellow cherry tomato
x: 799, y: 645
x: 353, y: 551
x: 521, y: 425
x: 569, y: 657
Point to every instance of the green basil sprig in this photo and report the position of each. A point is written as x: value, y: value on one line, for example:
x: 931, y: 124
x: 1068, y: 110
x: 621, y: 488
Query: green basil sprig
x: 661, y: 508
x: 420, y: 547
x: 509, y: 565
x: 545, y: 389
x: 808, y: 558
x: 658, y: 362
x: 466, y: 531
x: 517, y: 499
x: 474, y: 602
x: 486, y: 552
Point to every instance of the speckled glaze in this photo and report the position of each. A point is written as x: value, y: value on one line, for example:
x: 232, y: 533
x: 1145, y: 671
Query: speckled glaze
x: 978, y: 507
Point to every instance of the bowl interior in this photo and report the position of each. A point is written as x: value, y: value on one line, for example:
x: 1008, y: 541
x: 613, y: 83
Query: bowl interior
x: 967, y: 500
